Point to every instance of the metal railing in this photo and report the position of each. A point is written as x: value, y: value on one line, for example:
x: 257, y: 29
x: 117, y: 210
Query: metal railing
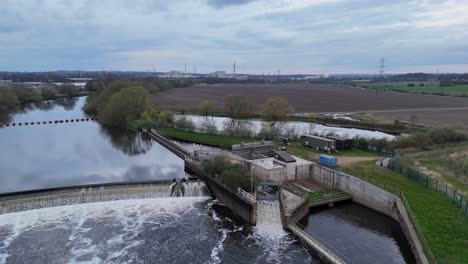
x: 246, y: 195
x: 456, y: 197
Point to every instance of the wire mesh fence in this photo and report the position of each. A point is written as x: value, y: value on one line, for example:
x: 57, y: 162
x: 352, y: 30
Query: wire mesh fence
x: 457, y: 198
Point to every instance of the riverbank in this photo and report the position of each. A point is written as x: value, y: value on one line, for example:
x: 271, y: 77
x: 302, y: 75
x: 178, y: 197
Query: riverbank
x: 220, y: 141
x: 326, y: 120
x: 443, y: 225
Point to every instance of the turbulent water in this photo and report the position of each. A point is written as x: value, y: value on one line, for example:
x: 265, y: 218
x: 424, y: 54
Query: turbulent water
x: 155, y: 230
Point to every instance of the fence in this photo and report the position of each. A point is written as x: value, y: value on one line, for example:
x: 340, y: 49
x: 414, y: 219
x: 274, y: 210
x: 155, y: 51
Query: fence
x: 458, y: 199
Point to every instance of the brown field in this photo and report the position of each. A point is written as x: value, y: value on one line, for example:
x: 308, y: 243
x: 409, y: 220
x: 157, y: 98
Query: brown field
x: 434, y: 118
x: 308, y: 97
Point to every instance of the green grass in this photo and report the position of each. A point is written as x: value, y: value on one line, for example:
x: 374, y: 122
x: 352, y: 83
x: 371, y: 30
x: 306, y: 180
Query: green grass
x: 443, y: 225
x: 206, y: 139
x: 296, y: 149
x: 428, y: 88
x: 323, y: 194
x: 440, y: 161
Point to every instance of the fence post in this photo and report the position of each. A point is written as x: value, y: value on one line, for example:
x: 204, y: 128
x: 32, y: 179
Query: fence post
x: 461, y: 201
x: 427, y: 180
x: 454, y: 192
x: 445, y: 189
x: 437, y: 183
x: 466, y: 208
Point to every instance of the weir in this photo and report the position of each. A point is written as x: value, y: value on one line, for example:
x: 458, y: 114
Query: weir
x: 69, y: 195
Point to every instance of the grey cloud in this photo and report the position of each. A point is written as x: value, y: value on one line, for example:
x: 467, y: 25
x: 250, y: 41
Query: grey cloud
x: 226, y: 3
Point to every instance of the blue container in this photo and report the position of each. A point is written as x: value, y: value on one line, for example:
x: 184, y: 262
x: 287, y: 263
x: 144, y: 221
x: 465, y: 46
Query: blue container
x: 328, y: 161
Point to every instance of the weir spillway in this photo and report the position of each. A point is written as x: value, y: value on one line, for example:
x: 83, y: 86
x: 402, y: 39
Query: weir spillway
x: 92, y: 193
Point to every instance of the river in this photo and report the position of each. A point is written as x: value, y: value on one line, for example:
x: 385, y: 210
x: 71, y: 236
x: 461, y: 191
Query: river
x: 297, y: 127
x: 152, y: 230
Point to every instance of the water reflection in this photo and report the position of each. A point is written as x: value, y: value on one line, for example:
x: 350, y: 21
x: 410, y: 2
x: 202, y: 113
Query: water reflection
x: 50, y: 155
x: 129, y: 142
x: 287, y: 128
x: 67, y: 103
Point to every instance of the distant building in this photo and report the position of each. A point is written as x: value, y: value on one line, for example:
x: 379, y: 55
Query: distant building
x: 5, y: 81
x: 175, y: 75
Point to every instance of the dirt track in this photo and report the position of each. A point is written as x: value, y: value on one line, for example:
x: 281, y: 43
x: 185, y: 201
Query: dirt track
x: 308, y: 97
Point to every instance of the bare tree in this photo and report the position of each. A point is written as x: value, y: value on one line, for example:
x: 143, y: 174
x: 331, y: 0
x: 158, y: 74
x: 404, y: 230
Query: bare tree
x: 276, y: 109
x: 238, y: 105
x: 207, y: 107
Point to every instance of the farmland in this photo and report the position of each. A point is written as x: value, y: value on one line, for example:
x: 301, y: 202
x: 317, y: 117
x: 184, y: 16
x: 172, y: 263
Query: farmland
x: 419, y: 88
x: 435, y: 118
x: 306, y: 97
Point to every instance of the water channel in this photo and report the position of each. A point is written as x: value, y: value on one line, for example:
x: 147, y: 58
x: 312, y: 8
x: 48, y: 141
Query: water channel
x: 255, y: 125
x: 151, y: 230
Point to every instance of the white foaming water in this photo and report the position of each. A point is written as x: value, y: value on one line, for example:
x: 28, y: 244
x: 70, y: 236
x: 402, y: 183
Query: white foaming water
x: 269, y: 230
x: 215, y: 259
x: 100, y: 194
x: 129, y: 215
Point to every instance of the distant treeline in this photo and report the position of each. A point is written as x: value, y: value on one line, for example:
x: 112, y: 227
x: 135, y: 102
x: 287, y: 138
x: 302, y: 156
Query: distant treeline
x: 12, y: 97
x: 125, y: 103
x: 151, y: 84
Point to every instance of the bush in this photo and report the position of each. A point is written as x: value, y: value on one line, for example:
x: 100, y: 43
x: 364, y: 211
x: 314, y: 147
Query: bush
x: 8, y: 100
x: 238, y: 128
x: 124, y: 107
x: 233, y: 175
x: 26, y: 94
x: 184, y: 124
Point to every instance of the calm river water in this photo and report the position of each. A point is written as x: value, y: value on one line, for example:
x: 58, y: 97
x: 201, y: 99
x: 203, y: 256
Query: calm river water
x: 159, y: 230
x: 361, y: 234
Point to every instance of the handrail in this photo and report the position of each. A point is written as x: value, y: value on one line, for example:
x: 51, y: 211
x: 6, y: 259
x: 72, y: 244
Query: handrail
x: 332, y: 251
x: 246, y: 194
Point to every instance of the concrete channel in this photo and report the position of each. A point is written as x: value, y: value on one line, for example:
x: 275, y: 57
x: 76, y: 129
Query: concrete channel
x: 293, y: 210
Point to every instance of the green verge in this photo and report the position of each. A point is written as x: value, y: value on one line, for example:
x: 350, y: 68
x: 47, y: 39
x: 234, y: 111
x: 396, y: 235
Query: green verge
x: 205, y: 139
x: 324, y: 194
x: 428, y: 88
x: 443, y: 225
x: 296, y: 149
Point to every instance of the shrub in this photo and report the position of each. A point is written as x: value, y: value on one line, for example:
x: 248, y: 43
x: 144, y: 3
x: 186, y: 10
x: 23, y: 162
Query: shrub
x: 184, y: 124
x: 124, y: 107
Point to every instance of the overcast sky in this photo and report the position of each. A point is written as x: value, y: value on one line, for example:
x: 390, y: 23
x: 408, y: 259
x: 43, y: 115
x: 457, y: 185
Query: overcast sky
x: 295, y: 36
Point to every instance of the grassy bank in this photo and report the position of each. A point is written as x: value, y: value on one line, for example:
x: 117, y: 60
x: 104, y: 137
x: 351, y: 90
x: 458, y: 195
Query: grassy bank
x: 427, y: 88
x: 296, y: 149
x: 205, y: 139
x: 448, y: 164
x: 443, y: 225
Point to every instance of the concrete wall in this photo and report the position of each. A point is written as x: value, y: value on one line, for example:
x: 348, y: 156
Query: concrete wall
x: 302, y: 172
x: 374, y: 197
x: 277, y: 175
x: 363, y: 192
x: 245, y: 210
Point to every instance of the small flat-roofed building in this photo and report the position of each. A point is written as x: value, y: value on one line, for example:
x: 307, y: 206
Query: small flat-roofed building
x: 342, y: 143
x: 253, y: 150
x: 317, y: 142
x: 284, y: 156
